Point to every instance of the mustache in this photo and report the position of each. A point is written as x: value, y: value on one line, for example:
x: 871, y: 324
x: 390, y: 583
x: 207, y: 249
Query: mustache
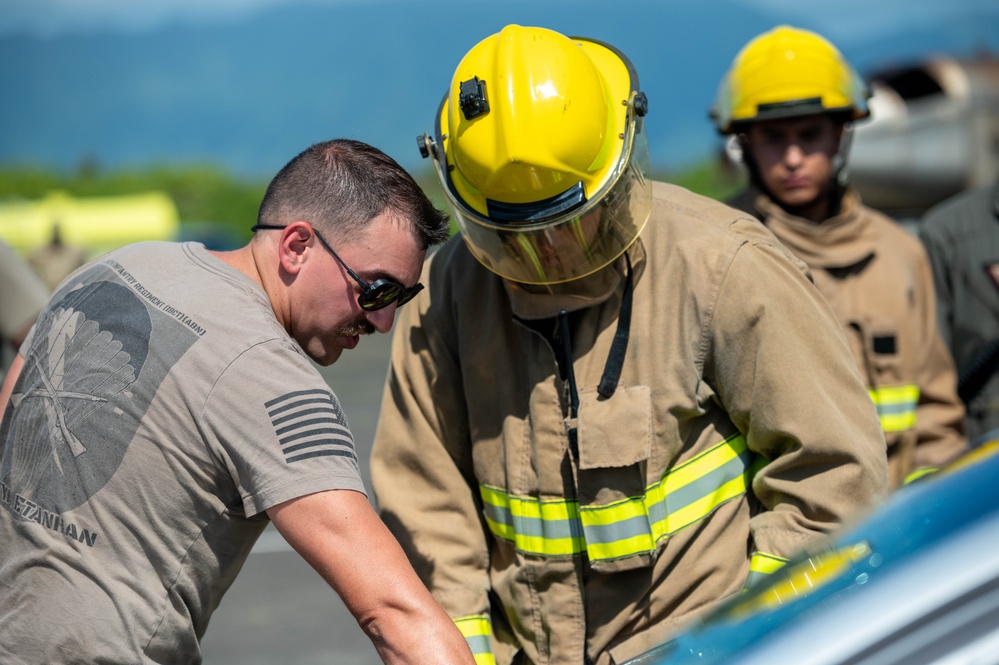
x: 358, y: 327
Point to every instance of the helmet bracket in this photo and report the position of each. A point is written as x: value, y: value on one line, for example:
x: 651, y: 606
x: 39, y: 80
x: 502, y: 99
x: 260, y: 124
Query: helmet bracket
x: 472, y: 98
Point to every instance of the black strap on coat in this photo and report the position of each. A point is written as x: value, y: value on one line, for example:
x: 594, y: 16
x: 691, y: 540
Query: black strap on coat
x: 615, y: 359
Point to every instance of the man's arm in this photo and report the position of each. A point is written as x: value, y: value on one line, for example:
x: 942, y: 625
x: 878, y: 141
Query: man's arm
x: 422, y: 470
x: 789, y: 382
x: 9, y: 381
x: 22, y: 296
x: 343, y: 539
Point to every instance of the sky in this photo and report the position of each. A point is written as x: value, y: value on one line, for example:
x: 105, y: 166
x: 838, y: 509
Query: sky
x: 69, y: 94
x: 861, y: 18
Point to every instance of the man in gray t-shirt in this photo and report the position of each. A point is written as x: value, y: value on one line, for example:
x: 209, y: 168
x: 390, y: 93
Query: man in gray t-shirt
x: 164, y: 408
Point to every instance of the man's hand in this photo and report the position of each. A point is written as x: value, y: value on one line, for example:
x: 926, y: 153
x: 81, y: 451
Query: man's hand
x: 342, y: 538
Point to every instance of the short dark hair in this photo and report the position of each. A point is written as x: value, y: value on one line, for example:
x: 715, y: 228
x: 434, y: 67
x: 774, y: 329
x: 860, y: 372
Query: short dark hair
x: 341, y: 185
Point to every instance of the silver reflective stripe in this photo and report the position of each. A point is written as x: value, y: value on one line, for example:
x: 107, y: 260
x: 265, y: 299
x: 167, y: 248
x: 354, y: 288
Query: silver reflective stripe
x: 685, y: 494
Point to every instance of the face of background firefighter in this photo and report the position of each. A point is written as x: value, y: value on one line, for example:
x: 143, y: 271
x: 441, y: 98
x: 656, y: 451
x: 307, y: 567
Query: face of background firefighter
x: 795, y: 157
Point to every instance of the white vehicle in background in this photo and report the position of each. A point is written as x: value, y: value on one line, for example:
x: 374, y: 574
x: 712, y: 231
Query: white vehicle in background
x: 933, y: 132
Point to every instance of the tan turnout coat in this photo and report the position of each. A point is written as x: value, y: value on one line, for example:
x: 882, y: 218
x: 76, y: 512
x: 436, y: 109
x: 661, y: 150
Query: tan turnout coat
x: 879, y: 282
x: 731, y: 348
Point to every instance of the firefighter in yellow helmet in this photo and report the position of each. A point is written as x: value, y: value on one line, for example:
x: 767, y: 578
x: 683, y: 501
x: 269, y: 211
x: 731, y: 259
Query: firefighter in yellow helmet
x: 616, y: 401
x: 789, y: 100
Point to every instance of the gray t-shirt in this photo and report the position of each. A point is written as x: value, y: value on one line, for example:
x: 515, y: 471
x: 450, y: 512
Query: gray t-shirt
x: 161, y: 410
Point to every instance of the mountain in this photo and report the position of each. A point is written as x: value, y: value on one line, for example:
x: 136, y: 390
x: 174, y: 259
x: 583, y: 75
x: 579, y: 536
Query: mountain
x: 250, y: 94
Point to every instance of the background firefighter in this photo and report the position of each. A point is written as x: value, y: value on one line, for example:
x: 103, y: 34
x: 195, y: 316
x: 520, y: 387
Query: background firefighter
x: 789, y: 99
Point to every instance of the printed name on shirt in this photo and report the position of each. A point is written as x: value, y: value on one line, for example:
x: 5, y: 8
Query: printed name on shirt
x: 155, y: 301
x: 32, y: 512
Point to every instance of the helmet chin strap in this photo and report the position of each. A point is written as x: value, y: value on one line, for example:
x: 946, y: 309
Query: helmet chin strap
x: 615, y: 359
x: 839, y: 160
x: 737, y: 148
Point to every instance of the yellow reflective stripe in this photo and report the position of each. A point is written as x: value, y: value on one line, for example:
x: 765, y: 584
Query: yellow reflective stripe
x: 694, y: 468
x: 761, y: 566
x: 801, y: 579
x: 628, y: 527
x: 919, y: 473
x: 484, y: 658
x: 767, y: 564
x: 705, y: 505
x: 620, y: 548
x: 477, y: 631
x: 975, y: 456
x: 696, y: 471
x: 549, y: 528
x: 896, y: 406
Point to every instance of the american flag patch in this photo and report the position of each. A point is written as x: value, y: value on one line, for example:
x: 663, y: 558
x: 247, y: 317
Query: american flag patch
x: 310, y: 423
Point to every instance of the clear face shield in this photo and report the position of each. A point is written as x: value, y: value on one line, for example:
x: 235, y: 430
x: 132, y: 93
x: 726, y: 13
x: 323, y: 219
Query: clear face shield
x: 574, y: 244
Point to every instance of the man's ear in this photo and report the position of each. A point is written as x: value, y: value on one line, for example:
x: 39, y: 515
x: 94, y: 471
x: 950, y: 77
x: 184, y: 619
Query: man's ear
x: 294, y: 246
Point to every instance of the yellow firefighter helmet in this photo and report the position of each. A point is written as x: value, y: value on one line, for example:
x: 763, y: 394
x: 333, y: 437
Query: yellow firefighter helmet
x: 788, y: 72
x: 540, y: 149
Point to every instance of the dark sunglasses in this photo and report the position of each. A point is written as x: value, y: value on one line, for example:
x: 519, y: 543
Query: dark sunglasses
x: 374, y: 296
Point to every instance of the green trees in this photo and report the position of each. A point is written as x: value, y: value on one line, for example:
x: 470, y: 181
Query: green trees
x: 213, y: 203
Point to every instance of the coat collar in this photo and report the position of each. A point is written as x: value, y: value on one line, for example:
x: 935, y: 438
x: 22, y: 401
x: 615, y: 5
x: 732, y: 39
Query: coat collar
x: 536, y: 301
x: 838, y: 242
